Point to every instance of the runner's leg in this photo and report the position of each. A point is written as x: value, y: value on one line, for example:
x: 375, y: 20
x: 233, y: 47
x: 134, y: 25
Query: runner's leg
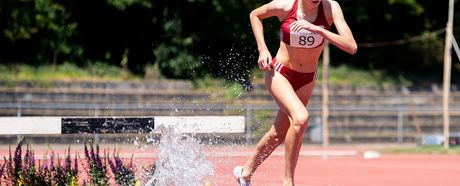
x: 267, y: 144
x: 294, y: 136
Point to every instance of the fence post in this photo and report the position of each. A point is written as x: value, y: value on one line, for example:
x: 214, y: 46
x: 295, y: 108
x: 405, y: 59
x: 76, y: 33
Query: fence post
x: 18, y: 138
x: 96, y: 138
x: 18, y: 114
x: 249, y: 115
x: 18, y: 111
x: 400, y: 126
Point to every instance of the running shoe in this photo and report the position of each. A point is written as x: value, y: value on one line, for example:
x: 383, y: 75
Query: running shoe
x: 238, y: 173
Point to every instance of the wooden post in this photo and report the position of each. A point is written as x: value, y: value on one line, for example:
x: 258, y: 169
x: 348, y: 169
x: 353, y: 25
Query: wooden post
x: 447, y: 69
x: 325, y: 90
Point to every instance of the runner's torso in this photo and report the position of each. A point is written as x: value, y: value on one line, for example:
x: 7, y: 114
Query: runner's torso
x: 300, y: 51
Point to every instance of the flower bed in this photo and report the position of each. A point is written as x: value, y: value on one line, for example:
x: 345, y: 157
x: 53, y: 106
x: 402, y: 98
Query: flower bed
x: 93, y: 169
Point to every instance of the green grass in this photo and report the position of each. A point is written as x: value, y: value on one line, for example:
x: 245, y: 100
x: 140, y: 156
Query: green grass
x: 219, y: 87
x: 101, y: 71
x: 261, y: 124
x: 346, y: 75
x: 63, y: 72
x: 98, y: 71
x: 355, y: 77
x: 424, y: 149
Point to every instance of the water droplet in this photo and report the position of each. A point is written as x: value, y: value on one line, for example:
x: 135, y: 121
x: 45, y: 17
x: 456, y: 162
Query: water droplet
x: 181, y: 161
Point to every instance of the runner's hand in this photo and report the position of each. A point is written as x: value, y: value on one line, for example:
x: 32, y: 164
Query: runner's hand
x: 265, y: 59
x: 296, y: 26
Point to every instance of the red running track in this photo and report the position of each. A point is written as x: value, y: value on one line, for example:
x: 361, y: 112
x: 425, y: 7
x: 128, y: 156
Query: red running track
x: 316, y: 170
x: 388, y: 170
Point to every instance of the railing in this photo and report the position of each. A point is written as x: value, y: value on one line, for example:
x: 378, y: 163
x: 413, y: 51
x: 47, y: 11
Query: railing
x: 399, y: 110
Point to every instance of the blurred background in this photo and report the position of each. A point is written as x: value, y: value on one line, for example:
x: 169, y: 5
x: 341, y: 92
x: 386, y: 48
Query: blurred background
x: 198, y: 57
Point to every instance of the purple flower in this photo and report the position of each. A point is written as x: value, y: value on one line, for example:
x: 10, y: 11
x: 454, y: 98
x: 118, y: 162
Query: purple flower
x: 52, y: 157
x: 1, y: 171
x: 113, y: 167
x: 17, y: 156
x: 45, y: 165
x: 68, y: 161
x: 86, y: 152
x: 76, y: 163
x: 32, y: 158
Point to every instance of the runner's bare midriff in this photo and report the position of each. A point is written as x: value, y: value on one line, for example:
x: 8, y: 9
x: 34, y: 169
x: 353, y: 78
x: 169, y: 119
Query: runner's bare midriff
x: 296, y: 59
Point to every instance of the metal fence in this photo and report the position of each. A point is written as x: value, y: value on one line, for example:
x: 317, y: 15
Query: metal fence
x: 399, y: 112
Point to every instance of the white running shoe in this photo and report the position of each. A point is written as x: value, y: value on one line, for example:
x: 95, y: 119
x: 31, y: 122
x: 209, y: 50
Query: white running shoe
x: 237, y: 172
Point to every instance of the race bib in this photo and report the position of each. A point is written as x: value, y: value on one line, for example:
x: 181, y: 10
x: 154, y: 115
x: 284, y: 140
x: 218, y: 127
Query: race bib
x: 305, y: 39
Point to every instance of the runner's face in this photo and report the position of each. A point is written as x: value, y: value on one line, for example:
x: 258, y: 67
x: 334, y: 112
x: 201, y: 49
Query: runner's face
x: 312, y: 3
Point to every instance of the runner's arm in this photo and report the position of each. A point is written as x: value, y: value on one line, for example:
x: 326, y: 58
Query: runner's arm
x: 344, y: 39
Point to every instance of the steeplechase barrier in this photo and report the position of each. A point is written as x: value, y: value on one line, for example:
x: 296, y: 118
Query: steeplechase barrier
x: 71, y: 125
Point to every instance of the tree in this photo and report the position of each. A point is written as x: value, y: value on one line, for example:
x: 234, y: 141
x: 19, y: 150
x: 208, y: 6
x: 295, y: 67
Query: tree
x: 39, y: 28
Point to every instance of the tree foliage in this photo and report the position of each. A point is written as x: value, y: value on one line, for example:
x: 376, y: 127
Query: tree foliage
x: 191, y: 38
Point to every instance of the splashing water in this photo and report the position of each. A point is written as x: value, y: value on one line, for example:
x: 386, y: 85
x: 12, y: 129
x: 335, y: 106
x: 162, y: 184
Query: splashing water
x: 180, y: 161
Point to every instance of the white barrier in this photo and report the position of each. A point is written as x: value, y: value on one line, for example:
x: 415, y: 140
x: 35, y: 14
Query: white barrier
x: 30, y: 125
x: 203, y: 124
x: 183, y: 124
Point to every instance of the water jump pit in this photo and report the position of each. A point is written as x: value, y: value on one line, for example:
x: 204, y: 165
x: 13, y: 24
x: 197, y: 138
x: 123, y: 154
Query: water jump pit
x: 177, y: 157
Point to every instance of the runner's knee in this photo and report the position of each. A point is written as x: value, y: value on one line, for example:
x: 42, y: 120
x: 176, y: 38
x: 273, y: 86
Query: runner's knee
x: 300, y: 122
